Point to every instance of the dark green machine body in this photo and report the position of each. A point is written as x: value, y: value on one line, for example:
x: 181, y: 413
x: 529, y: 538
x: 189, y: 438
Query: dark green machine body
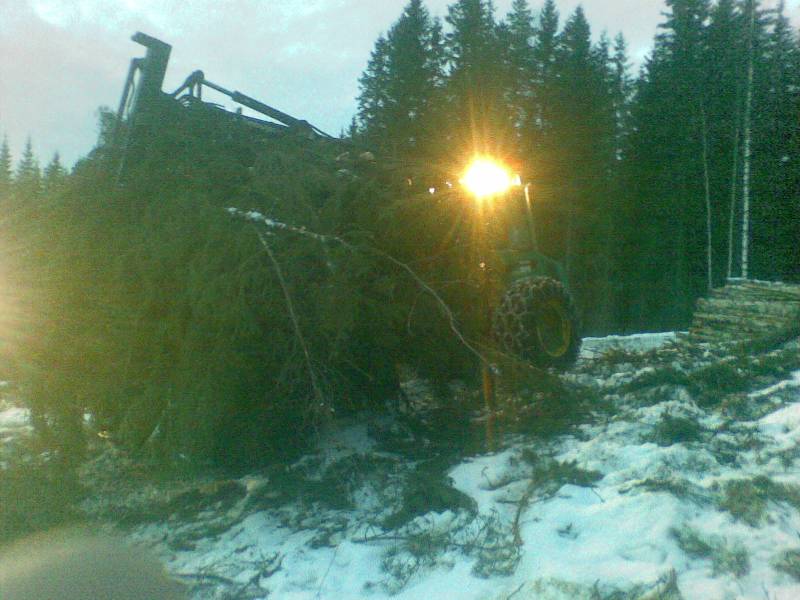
x: 144, y: 105
x: 521, y: 256
x: 535, y: 319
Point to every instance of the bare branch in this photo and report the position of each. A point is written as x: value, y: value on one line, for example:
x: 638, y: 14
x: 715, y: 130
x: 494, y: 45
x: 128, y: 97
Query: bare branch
x: 257, y: 217
x: 295, y: 323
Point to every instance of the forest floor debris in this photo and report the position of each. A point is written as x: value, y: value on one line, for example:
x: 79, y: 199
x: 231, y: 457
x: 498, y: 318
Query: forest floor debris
x: 679, y: 481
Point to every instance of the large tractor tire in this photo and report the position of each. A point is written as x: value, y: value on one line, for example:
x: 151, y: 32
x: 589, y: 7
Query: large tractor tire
x: 536, y: 322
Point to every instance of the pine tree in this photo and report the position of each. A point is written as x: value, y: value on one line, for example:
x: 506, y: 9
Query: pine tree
x: 28, y: 178
x: 6, y: 175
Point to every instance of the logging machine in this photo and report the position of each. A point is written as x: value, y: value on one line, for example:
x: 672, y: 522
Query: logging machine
x: 532, y: 316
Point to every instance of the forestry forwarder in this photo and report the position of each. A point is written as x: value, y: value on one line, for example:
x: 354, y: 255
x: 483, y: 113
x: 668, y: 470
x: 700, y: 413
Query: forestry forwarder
x: 533, y: 316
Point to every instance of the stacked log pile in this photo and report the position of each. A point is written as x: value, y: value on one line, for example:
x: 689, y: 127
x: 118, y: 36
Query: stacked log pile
x: 746, y: 309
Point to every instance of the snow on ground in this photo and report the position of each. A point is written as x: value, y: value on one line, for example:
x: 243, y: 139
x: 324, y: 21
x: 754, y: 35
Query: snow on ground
x: 14, y: 422
x: 616, y: 509
x: 659, y: 494
x: 13, y: 418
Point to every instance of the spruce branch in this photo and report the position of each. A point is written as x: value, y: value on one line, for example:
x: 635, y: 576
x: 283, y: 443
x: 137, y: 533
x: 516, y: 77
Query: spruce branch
x: 257, y: 217
x: 295, y: 322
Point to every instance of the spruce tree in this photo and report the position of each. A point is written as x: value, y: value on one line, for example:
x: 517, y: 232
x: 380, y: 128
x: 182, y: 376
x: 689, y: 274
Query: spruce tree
x: 517, y: 37
x: 400, y: 85
x: 472, y: 42
x: 28, y: 178
x: 373, y: 99
x: 55, y: 176
x: 621, y: 85
x: 544, y: 48
x: 580, y: 93
x: 6, y: 174
x: 545, y: 93
x: 475, y: 87
x: 724, y: 82
x: 622, y: 92
x: 669, y: 199
x: 414, y: 75
x: 775, y: 181
x: 584, y: 131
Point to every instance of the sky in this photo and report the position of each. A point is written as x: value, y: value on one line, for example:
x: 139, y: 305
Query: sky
x: 60, y: 60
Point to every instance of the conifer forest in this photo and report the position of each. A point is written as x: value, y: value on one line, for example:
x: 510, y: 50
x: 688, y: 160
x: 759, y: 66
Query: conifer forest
x: 643, y: 175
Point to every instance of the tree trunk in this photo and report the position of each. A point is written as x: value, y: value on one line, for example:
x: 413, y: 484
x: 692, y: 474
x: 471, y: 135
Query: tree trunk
x: 734, y: 176
x: 707, y: 189
x: 747, y: 137
x: 682, y: 300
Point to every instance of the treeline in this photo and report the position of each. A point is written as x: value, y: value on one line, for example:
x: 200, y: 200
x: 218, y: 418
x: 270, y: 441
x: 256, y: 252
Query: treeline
x: 643, y: 184
x: 27, y: 179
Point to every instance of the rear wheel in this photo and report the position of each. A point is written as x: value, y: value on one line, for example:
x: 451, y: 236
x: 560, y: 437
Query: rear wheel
x: 536, y: 322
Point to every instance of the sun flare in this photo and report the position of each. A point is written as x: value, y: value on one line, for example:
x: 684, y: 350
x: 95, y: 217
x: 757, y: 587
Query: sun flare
x: 485, y: 177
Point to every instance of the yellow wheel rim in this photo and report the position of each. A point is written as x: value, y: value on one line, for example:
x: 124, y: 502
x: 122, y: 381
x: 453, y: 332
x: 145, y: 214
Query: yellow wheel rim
x: 553, y: 328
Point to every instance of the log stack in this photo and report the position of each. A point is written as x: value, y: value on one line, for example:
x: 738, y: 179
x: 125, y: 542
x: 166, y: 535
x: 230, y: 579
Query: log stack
x: 746, y: 309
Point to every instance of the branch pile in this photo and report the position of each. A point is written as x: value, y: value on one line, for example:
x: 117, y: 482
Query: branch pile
x: 183, y: 329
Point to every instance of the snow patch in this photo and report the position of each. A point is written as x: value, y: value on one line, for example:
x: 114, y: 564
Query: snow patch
x: 616, y: 515
x: 14, y: 418
x: 789, y: 384
x: 593, y: 347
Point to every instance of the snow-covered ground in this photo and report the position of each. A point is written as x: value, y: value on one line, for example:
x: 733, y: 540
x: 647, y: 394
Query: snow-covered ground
x: 12, y: 419
x: 680, y: 485
x: 615, y: 507
x: 14, y: 422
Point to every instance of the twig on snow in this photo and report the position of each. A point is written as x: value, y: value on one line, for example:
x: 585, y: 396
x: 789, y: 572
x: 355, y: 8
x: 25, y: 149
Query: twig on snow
x: 596, y: 493
x: 523, y: 504
x: 205, y: 576
x: 328, y: 570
